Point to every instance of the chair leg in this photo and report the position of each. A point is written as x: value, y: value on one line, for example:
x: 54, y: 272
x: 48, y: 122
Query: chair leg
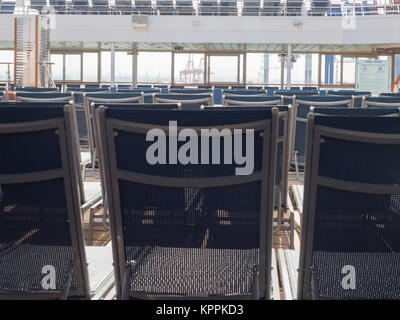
x: 296, y: 165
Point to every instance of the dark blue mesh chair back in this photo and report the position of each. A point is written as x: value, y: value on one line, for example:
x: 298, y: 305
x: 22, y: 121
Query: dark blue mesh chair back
x: 303, y: 106
x: 383, y: 101
x: 390, y: 94
x: 289, y: 93
x: 34, y: 89
x: 357, y: 111
x: 251, y: 100
x: 190, y: 91
x: 45, y: 96
x: 187, y: 101
x: 112, y: 96
x: 192, y: 229
x: 352, y: 202
x: 37, y: 205
x: 358, y: 95
x: 78, y: 97
x: 243, y: 92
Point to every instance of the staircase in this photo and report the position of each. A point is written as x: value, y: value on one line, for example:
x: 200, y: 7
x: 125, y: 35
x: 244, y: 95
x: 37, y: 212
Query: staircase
x: 32, y: 51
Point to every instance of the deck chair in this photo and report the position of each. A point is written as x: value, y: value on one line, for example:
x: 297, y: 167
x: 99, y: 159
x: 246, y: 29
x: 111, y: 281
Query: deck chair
x: 123, y: 7
x: 357, y: 96
x: 207, y: 231
x: 298, y: 189
x: 59, y: 5
x: 85, y: 158
x: 251, y: 8
x: 320, y: 7
x: 208, y: 8
x: 42, y: 253
x: 38, y: 4
x: 77, y: 95
x: 228, y: 100
x: 7, y: 7
x: 88, y: 98
x: 43, y: 97
x: 165, y: 7
x: 187, y: 101
x: 228, y: 8
x: 271, y: 8
x: 143, y: 7
x: 349, y: 247
x: 100, y: 7
x: 243, y: 92
x: 70, y: 87
x: 184, y: 7
x: 35, y: 89
x: 124, y: 86
x: 190, y: 91
x: 302, y: 107
x: 387, y: 102
x: 255, y: 88
x: 293, y: 7
x: 389, y: 94
x: 148, y: 93
x: 80, y: 6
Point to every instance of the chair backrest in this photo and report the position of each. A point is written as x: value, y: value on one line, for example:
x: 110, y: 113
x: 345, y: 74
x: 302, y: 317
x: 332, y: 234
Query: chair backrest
x: 43, y: 97
x: 371, y: 111
x: 41, y: 239
x: 302, y: 106
x: 190, y: 91
x: 244, y: 92
x: 253, y: 100
x: 131, y: 97
x: 357, y: 95
x: 350, y: 242
x: 34, y: 89
x: 79, y: 106
x: 389, y: 94
x: 187, y: 101
x: 387, y: 102
x: 198, y: 217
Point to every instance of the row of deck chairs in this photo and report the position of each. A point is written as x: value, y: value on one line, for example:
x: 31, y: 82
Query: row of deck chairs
x: 185, y: 7
x: 152, y: 218
x: 177, y: 231
x: 193, y: 100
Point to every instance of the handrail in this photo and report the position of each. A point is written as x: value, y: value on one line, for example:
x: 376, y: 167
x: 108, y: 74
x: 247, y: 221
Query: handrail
x: 228, y: 7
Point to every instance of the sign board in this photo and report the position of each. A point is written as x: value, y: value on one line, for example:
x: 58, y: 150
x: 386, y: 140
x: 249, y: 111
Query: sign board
x: 373, y: 75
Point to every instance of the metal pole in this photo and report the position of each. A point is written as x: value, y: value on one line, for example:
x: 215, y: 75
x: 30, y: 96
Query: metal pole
x: 112, y: 65
x: 289, y: 67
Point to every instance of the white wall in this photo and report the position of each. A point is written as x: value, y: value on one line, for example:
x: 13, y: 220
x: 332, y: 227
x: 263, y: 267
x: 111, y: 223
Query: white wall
x: 208, y: 29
